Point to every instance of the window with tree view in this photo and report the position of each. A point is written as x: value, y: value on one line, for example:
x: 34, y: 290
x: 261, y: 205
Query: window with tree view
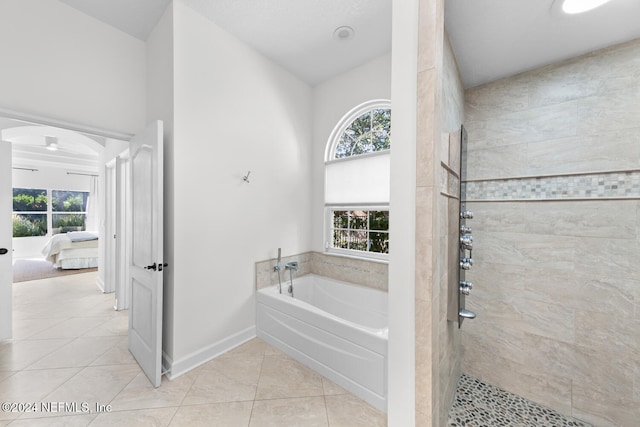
x: 357, y: 182
x: 368, y: 133
x: 29, y: 212
x: 69, y: 211
x: 361, y: 230
x: 36, y: 211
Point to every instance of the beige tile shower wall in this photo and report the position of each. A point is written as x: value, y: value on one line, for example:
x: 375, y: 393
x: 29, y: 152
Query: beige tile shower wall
x: 581, y: 115
x: 372, y: 274
x: 428, y: 147
x: 446, y: 258
x: 557, y: 283
x: 440, y: 111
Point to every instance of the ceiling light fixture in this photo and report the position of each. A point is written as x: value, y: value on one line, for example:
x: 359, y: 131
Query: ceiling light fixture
x: 579, y: 6
x: 51, y: 143
x: 343, y: 33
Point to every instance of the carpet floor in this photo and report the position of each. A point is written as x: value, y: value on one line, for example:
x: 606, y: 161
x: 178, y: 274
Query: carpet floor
x: 25, y: 270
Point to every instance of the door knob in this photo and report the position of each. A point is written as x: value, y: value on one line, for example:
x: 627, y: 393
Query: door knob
x: 3, y: 251
x: 156, y: 267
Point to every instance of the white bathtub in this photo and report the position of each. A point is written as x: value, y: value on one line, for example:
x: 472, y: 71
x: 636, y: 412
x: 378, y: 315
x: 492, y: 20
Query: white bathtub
x: 338, y: 329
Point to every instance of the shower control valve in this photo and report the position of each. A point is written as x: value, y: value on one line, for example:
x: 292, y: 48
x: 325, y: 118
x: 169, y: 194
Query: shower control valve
x: 466, y: 263
x: 465, y: 287
x: 465, y: 229
x: 466, y: 214
x: 466, y: 241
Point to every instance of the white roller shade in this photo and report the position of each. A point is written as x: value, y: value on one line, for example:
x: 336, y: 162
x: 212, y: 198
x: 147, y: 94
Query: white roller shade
x: 358, y: 180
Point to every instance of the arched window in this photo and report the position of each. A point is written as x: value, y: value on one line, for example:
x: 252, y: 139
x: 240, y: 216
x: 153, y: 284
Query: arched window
x: 357, y: 182
x: 365, y: 129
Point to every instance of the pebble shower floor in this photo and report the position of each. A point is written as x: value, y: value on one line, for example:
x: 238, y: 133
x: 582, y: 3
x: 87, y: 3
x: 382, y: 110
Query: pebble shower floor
x: 477, y: 404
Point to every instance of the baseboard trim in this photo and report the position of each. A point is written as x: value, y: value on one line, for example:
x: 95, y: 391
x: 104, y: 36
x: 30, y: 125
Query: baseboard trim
x: 176, y: 368
x: 166, y: 364
x: 100, y: 284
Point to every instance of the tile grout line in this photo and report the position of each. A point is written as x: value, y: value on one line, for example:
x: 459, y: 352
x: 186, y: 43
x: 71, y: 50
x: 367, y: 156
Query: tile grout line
x: 255, y: 395
x: 184, y: 397
x: 79, y: 368
x: 115, y: 365
x: 324, y: 398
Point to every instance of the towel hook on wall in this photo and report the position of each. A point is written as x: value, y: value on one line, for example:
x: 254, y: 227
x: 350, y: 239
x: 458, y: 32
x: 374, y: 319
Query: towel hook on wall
x: 246, y: 177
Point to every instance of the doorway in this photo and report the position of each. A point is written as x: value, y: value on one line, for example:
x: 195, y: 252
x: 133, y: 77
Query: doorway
x: 59, y: 175
x: 143, y: 187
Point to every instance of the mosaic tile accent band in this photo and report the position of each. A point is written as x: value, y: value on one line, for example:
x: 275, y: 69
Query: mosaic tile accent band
x: 588, y: 186
x: 479, y: 404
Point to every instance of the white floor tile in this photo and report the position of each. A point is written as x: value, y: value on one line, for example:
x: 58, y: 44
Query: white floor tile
x: 72, y: 347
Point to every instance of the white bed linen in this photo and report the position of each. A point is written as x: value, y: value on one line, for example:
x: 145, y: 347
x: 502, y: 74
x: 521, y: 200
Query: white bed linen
x: 77, y: 263
x: 60, y: 248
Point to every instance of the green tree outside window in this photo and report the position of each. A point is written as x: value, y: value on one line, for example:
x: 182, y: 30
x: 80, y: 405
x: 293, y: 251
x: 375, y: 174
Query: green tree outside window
x: 29, y: 217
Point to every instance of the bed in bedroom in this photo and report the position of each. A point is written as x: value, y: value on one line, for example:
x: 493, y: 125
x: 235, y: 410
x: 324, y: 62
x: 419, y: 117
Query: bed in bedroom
x: 73, y: 250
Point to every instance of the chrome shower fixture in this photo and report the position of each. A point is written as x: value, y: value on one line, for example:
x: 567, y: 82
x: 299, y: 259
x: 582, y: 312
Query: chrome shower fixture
x: 277, y: 268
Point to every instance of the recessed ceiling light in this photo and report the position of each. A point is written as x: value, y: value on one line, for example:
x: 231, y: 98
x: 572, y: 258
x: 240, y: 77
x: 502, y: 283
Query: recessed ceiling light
x: 343, y: 33
x: 51, y: 143
x: 579, y: 6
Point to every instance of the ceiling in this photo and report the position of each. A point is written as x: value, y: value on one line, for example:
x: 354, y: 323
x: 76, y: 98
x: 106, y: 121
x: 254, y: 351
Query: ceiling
x: 134, y: 17
x: 498, y: 38
x: 491, y: 38
x: 75, y: 151
x: 298, y: 34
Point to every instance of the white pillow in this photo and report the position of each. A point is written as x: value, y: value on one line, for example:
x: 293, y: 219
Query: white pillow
x: 81, y: 236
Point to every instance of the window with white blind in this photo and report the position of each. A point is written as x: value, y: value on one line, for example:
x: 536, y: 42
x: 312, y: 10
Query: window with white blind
x: 357, y: 182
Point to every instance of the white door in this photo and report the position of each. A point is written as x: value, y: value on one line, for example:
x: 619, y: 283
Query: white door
x: 145, y: 310
x: 6, y: 234
x: 110, y: 273
x: 123, y: 224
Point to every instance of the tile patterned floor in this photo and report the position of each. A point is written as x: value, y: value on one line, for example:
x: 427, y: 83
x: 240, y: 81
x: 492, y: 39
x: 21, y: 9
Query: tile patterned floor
x: 478, y: 404
x: 71, y: 346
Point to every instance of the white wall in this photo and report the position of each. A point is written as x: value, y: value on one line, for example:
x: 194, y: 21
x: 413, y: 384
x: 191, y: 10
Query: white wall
x: 160, y: 107
x: 235, y: 111
x: 331, y: 101
x: 50, y: 177
x: 45, y: 178
x: 61, y: 64
x: 402, y: 265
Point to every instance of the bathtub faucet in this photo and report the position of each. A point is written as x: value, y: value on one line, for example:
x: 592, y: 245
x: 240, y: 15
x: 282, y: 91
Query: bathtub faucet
x: 291, y: 266
x: 277, y: 268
